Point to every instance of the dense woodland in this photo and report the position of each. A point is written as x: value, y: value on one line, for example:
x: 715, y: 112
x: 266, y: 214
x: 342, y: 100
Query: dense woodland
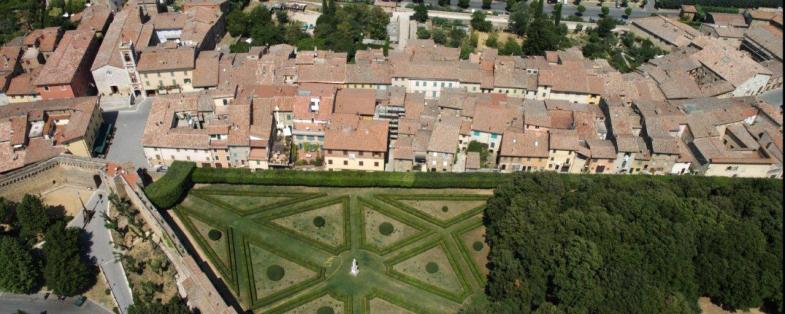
x: 633, y: 244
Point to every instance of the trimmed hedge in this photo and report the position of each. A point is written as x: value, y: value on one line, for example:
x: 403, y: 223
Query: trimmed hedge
x: 350, y: 178
x: 169, y: 190
x: 675, y: 4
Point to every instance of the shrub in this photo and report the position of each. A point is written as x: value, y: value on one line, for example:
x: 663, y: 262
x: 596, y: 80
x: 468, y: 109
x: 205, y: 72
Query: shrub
x: 275, y: 272
x: 325, y: 310
x: 386, y: 228
x: 169, y: 190
x: 445, y: 208
x: 318, y: 221
x: 431, y: 267
x: 214, y: 235
x: 477, y: 246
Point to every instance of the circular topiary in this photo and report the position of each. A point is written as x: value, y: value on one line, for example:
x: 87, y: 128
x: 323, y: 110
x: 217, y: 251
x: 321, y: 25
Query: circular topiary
x: 214, y: 235
x: 275, y: 272
x: 477, y: 245
x: 445, y: 208
x: 318, y: 221
x: 431, y: 267
x: 386, y: 228
x: 325, y: 310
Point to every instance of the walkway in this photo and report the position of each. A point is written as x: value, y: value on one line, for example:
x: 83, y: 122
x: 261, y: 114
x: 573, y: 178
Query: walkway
x: 102, y: 249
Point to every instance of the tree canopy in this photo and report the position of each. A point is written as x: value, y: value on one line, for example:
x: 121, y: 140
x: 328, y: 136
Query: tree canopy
x: 33, y: 217
x: 66, y: 272
x: 633, y: 244
x: 174, y: 306
x: 19, y: 271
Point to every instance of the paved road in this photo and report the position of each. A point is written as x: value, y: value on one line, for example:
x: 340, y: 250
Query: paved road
x: 102, y: 249
x: 773, y: 97
x: 127, y: 143
x: 592, y: 11
x: 35, y: 303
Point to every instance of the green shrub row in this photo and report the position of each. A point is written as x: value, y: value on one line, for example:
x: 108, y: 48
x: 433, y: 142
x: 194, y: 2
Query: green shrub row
x: 295, y: 198
x: 257, y: 302
x: 457, y: 235
x: 169, y: 190
x: 675, y: 4
x: 393, y: 199
x: 424, y: 232
x: 350, y: 178
x: 458, y: 298
x: 335, y: 250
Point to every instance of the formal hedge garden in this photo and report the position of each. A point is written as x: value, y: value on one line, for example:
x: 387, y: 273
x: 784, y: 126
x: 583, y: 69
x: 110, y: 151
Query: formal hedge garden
x: 296, y: 256
x: 169, y: 190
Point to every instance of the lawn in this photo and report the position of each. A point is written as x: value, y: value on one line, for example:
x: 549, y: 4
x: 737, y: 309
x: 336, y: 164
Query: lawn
x: 290, y: 249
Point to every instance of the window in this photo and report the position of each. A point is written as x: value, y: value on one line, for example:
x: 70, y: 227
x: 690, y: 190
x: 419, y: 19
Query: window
x: 345, y: 162
x: 417, y: 83
x: 376, y: 164
x: 434, y: 84
x: 187, y: 81
x: 159, y: 74
x: 329, y: 161
x: 361, y: 163
x: 433, y: 93
x: 476, y: 133
x: 493, y: 136
x: 174, y: 82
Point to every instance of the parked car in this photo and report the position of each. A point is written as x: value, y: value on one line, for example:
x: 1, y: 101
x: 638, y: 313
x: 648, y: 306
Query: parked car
x: 80, y: 300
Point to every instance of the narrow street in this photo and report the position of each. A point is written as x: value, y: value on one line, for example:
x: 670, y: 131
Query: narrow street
x: 35, y: 303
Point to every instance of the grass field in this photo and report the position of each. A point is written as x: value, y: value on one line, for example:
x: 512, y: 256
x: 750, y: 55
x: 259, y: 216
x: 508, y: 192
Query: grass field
x: 290, y: 249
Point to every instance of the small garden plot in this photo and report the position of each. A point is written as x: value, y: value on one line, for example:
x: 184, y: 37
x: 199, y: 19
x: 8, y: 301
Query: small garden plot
x: 382, y: 306
x: 433, y: 268
x: 443, y: 209
x: 474, y: 240
x: 383, y: 232
x: 321, y: 305
x: 323, y: 224
x: 216, y: 239
x: 273, y: 273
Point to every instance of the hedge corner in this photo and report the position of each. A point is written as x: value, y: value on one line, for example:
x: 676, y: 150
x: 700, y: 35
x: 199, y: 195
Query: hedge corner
x: 172, y: 187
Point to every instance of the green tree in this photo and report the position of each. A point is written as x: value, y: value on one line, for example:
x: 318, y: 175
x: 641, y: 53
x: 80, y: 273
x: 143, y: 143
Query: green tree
x: 486, y: 4
x: 66, y: 272
x: 456, y: 36
x: 463, y: 4
x: 557, y: 13
x: 19, y: 271
x: 439, y: 36
x: 580, y: 10
x: 479, y: 23
x: 237, y: 23
x: 420, y: 13
x: 510, y: 48
x: 281, y: 16
x: 492, y: 41
x: 423, y: 33
x: 444, y: 3
x: 605, y: 26
x: 605, y: 11
x: 542, y: 36
x: 7, y: 211
x: 174, y: 306
x: 33, y: 217
x: 628, y: 12
x: 519, y: 19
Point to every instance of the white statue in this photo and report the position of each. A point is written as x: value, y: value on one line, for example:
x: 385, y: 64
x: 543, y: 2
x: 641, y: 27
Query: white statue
x: 355, y: 269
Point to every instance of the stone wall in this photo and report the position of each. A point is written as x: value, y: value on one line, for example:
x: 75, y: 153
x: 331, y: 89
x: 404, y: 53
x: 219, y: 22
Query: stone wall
x: 43, y: 176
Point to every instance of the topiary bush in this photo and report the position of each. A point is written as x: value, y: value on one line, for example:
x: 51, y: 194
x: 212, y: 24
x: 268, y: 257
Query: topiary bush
x: 169, y: 190
x: 431, y: 267
x: 214, y: 235
x: 275, y: 272
x: 319, y: 221
x: 445, y: 208
x: 325, y: 310
x: 478, y: 246
x: 386, y: 228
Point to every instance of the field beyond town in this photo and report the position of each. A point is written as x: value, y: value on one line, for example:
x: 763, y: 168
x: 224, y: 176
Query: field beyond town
x: 290, y: 249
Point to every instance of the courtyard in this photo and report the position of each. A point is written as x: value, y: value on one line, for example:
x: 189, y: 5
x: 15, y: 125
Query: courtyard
x: 290, y: 249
